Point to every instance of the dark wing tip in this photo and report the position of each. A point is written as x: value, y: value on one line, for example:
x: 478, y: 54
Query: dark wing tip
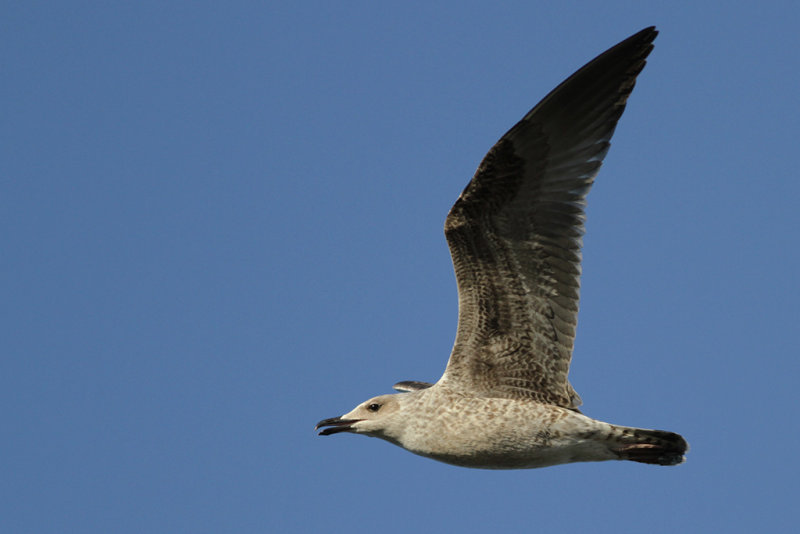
x: 632, y: 52
x: 646, y: 35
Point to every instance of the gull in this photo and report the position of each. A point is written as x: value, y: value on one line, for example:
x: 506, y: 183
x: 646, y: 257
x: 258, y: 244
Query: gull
x: 515, y: 237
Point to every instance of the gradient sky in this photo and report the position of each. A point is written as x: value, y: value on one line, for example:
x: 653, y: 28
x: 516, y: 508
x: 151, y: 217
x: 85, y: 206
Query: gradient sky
x: 222, y: 223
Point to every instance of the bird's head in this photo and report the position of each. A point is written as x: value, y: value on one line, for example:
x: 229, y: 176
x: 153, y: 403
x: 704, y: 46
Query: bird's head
x: 376, y: 417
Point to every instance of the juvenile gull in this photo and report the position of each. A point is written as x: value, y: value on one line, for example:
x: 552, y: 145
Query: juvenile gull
x: 515, y: 234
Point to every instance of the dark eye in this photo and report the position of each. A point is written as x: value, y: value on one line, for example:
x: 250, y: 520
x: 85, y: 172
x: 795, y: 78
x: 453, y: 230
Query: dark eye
x: 374, y: 407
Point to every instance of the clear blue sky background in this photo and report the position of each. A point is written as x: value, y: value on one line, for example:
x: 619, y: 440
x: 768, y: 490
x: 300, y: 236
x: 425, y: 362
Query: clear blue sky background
x: 222, y: 223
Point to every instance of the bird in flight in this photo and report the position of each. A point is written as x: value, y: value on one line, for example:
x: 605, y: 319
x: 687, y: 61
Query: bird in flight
x: 515, y: 236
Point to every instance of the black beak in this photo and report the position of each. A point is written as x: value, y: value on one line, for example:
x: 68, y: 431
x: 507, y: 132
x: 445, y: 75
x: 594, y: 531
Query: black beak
x: 336, y: 424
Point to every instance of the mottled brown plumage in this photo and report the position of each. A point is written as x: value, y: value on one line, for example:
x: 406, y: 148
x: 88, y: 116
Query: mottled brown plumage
x: 515, y: 237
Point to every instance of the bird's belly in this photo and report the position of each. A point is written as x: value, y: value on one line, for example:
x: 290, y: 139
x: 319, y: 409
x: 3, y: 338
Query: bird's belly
x: 509, y: 437
x: 528, y: 458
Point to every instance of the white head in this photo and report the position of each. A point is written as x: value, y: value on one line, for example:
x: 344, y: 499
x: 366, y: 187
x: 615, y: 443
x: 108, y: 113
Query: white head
x: 379, y: 417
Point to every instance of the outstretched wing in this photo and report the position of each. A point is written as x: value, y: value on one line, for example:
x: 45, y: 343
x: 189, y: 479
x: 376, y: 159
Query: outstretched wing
x: 515, y: 235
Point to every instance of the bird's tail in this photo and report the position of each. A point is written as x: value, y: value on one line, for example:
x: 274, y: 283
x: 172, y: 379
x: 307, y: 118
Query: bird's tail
x: 650, y: 446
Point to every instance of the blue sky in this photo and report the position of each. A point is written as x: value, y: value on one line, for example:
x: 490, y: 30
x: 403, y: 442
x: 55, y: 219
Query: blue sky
x: 223, y: 223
